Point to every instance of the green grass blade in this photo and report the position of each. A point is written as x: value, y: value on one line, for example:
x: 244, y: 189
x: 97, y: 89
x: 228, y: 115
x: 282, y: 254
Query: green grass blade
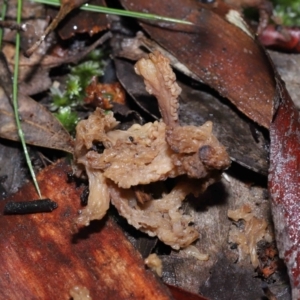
x: 3, y: 14
x: 119, y: 12
x: 15, y: 102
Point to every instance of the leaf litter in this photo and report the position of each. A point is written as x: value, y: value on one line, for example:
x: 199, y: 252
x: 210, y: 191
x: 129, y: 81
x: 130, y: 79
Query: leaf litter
x: 265, y: 120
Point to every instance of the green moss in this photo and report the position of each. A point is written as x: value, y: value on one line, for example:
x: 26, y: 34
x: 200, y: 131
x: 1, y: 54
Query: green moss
x: 288, y: 11
x: 67, y: 117
x: 86, y: 70
x: 65, y: 102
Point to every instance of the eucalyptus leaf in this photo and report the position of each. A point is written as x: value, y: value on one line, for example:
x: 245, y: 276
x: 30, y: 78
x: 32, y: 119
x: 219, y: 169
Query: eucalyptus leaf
x: 40, y: 127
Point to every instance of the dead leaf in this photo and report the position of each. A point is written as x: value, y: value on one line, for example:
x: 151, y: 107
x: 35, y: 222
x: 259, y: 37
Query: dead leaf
x: 29, y: 11
x: 79, y: 21
x: 222, y: 55
x: 284, y: 184
x: 281, y: 38
x: 50, y: 61
x: 12, y: 164
x: 5, y: 77
x: 66, y: 6
x: 42, y: 257
x: 181, y: 294
x: 288, y: 66
x: 40, y: 127
x: 38, y: 82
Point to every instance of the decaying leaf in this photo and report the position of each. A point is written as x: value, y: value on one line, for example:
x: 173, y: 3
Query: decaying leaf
x: 27, y: 65
x: 40, y: 127
x: 288, y: 67
x: 65, y: 8
x: 80, y: 21
x: 284, y: 38
x: 11, y: 162
x: 5, y: 77
x: 223, y: 269
x: 29, y: 11
x: 221, y: 54
x: 284, y: 183
x: 181, y: 294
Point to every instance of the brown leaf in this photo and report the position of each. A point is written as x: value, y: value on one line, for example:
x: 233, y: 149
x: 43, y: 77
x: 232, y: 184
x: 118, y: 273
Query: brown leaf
x: 180, y: 294
x: 221, y: 55
x: 80, y: 21
x: 5, y: 77
x: 11, y: 162
x: 42, y: 257
x: 284, y: 184
x: 49, y: 61
x: 66, y: 7
x: 288, y: 67
x: 40, y: 127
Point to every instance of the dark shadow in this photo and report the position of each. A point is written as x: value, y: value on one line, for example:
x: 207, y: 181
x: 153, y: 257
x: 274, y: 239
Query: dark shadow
x: 247, y: 176
x: 85, y: 232
x: 215, y: 195
x: 140, y: 240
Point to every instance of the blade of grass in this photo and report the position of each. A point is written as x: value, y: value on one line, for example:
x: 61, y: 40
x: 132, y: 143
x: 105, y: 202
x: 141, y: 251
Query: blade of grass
x: 3, y: 13
x: 119, y: 12
x: 15, y: 102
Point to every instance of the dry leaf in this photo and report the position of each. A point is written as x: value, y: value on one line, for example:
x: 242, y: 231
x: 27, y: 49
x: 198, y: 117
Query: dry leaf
x: 66, y: 6
x: 221, y: 54
x: 284, y: 184
x: 80, y: 21
x: 40, y: 127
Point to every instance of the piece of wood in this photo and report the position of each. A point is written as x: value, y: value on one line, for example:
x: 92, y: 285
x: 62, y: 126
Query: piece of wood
x: 43, y: 256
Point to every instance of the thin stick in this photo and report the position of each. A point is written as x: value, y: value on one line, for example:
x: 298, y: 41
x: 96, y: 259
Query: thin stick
x: 12, y: 25
x: 15, y: 102
x: 119, y: 12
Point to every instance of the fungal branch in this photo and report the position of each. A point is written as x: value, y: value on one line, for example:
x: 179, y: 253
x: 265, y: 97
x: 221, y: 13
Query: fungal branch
x: 160, y: 81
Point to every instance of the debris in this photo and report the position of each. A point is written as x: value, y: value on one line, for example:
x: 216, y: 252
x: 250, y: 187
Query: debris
x: 29, y: 207
x: 154, y: 263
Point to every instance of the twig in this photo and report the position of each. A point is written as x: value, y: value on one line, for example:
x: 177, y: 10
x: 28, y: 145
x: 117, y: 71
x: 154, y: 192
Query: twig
x: 12, y: 25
